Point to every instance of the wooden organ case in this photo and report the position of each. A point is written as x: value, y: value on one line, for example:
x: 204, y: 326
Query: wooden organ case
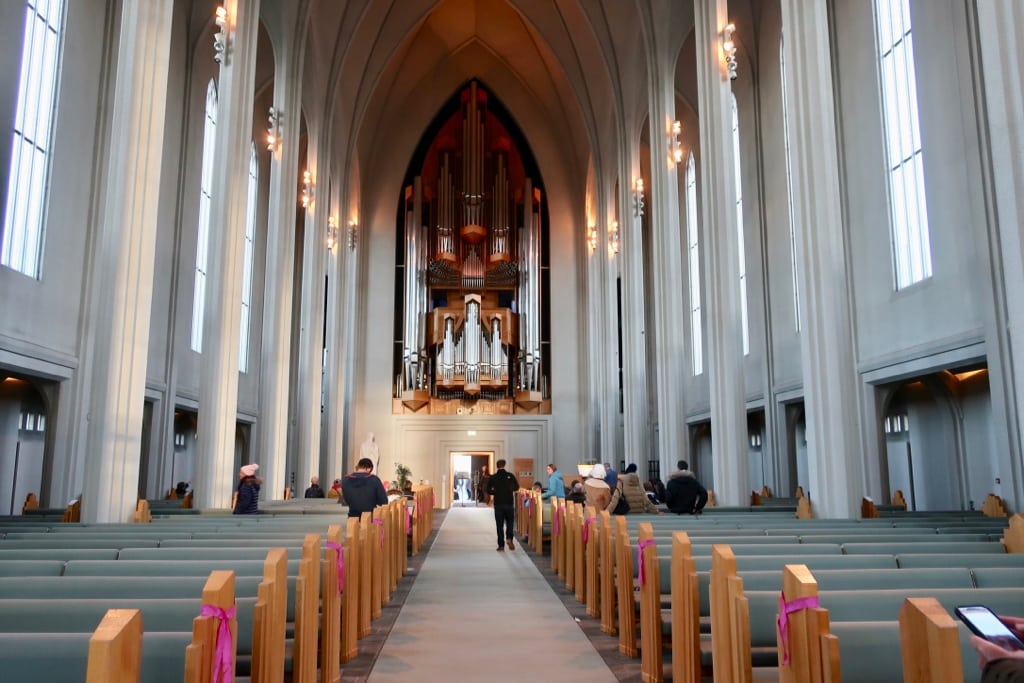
x: 471, y: 320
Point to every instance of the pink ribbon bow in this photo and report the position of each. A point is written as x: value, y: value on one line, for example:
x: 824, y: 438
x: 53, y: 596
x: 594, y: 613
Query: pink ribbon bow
x: 787, y: 608
x: 586, y: 526
x: 408, y: 519
x: 222, y: 670
x: 341, y: 564
x: 640, y: 558
x: 381, y: 523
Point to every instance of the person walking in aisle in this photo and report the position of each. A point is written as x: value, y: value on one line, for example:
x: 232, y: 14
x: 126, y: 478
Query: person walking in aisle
x: 502, y: 487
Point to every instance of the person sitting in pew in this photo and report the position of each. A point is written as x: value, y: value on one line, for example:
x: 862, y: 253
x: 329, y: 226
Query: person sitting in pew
x: 577, y: 495
x: 247, y: 500
x: 998, y: 664
x: 633, y: 491
x: 556, y: 487
x: 314, y: 490
x: 684, y: 494
x: 649, y: 492
x: 597, y: 492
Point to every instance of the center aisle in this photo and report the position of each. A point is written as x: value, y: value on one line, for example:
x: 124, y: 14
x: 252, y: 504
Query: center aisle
x: 477, y: 614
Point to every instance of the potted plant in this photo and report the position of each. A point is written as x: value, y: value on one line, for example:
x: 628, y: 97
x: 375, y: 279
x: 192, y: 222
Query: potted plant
x: 402, y: 474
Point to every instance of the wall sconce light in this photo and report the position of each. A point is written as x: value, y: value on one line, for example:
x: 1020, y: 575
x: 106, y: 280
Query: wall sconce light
x: 332, y: 232
x: 273, y: 128
x: 675, y: 142
x: 729, y: 49
x: 638, y: 197
x: 307, y: 189
x: 592, y: 237
x: 755, y: 440
x: 613, y: 236
x: 352, y: 234
x: 221, y: 37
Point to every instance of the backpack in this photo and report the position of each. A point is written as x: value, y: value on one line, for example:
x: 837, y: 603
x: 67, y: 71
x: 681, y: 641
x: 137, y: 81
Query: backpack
x: 622, y: 507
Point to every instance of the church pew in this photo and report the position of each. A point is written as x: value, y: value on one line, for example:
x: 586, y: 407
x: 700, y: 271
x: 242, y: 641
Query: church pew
x: 31, y: 567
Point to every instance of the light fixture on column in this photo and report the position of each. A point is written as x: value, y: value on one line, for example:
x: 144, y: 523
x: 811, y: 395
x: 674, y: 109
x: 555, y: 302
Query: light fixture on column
x: 592, y: 237
x: 638, y: 197
x: 273, y: 128
x: 221, y: 37
x: 307, y: 189
x: 675, y: 142
x: 332, y: 232
x: 353, y: 232
x: 613, y: 236
x: 729, y: 50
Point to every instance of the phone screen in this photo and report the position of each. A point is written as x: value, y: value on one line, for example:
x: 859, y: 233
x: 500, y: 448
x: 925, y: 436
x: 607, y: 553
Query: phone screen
x: 987, y: 625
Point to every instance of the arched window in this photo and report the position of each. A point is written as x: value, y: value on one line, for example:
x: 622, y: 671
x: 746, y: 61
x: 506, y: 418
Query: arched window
x: 789, y: 190
x: 31, y: 136
x: 908, y: 208
x: 250, y: 238
x: 693, y: 246
x: 739, y: 223
x: 203, y: 236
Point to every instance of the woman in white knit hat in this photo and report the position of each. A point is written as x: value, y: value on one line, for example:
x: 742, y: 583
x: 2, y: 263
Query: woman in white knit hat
x: 248, y: 492
x: 598, y: 493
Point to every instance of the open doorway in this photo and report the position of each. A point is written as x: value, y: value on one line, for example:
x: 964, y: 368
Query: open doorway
x: 469, y: 472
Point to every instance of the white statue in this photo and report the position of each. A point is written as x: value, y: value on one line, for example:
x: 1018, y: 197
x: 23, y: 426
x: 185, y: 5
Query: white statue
x: 370, y: 449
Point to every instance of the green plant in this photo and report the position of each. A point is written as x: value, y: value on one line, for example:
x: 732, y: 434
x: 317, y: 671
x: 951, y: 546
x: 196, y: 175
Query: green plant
x: 402, y: 474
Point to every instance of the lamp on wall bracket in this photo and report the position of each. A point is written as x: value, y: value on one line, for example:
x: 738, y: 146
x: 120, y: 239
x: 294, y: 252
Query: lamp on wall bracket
x: 613, y: 236
x: 353, y: 233
x: 729, y: 50
x: 332, y: 232
x: 307, y: 189
x: 592, y: 237
x: 273, y: 128
x: 222, y: 37
x: 675, y: 143
x: 638, y: 197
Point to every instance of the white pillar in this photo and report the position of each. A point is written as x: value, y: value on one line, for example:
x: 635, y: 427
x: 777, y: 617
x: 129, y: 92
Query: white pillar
x: 721, y: 256
x: 1000, y: 27
x: 275, y: 360
x: 835, y: 447
x: 311, y: 325
x: 121, y: 291
x: 218, y: 384
x: 637, y: 426
x: 666, y: 248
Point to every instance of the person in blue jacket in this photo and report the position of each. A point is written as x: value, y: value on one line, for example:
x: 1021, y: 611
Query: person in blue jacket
x: 556, y: 487
x: 363, y: 490
x: 247, y: 502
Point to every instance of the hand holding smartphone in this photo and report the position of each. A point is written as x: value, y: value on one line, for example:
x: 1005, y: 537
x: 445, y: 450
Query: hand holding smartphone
x: 984, y: 623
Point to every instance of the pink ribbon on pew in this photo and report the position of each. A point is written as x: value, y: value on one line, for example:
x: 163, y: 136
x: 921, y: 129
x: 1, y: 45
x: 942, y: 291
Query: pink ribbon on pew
x: 558, y: 515
x: 586, y: 526
x: 341, y: 564
x: 408, y: 520
x: 381, y: 523
x: 640, y: 558
x: 787, y: 608
x: 222, y: 670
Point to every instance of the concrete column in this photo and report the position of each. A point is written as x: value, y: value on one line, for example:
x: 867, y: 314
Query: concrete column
x: 835, y: 447
x: 218, y: 384
x: 311, y: 326
x: 340, y: 262
x: 999, y: 29
x: 121, y: 292
x: 666, y: 249
x: 272, y: 428
x: 721, y: 256
x: 635, y: 364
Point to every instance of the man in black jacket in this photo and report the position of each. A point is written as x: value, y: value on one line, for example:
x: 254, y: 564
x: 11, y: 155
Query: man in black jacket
x: 363, y: 490
x: 502, y: 486
x: 683, y: 493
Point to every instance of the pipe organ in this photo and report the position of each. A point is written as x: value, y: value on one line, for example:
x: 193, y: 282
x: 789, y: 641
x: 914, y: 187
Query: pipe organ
x: 472, y: 299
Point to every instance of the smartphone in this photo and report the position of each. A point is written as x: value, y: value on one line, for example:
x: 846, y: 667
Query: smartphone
x: 984, y: 623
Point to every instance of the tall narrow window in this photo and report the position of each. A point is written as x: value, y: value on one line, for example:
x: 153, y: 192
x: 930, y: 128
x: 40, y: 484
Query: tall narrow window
x: 250, y: 239
x: 203, y: 236
x: 31, y: 136
x: 739, y: 224
x: 693, y: 246
x: 789, y: 191
x: 907, y: 205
